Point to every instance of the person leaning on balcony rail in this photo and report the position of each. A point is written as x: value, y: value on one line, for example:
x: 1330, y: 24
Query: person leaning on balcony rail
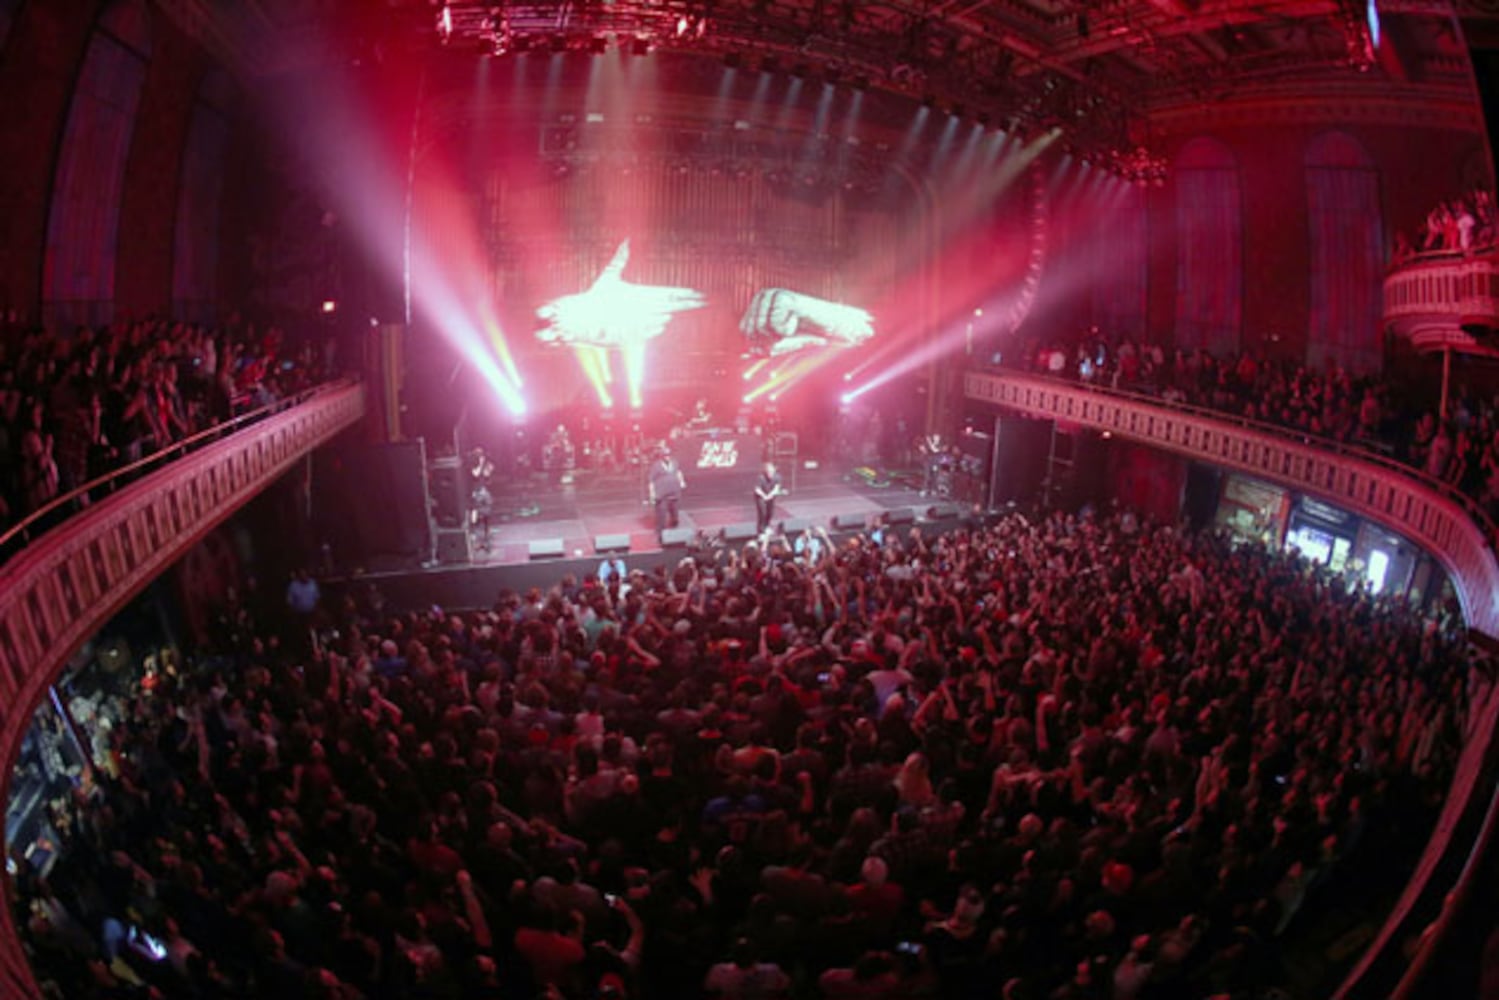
x: 1368, y: 411
x: 110, y: 396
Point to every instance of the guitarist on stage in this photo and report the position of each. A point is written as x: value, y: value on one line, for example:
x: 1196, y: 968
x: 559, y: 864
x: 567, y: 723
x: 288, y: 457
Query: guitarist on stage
x: 766, y: 490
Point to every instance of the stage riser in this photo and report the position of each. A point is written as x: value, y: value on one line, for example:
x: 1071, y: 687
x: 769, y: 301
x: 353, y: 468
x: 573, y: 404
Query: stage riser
x: 462, y: 588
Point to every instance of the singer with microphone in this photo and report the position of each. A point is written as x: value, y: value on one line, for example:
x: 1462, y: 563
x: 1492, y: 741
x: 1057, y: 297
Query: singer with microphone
x: 766, y: 490
x: 666, y: 482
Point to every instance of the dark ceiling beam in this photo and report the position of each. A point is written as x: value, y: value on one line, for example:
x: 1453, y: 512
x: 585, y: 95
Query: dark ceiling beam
x: 973, y: 8
x: 1113, y: 34
x: 1030, y: 50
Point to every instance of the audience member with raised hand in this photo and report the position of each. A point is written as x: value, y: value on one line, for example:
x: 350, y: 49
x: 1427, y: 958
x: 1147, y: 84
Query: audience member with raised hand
x: 1043, y: 758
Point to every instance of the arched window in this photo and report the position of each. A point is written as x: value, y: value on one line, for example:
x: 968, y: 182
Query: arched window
x: 195, y: 247
x: 83, y: 228
x: 1209, y: 248
x: 1347, y: 251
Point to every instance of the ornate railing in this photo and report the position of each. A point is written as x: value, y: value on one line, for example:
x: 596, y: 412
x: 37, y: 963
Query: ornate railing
x: 1431, y: 298
x: 60, y: 589
x: 1427, y: 511
x: 64, y: 506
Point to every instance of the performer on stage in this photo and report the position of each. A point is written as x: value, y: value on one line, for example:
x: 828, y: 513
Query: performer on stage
x: 933, y: 457
x: 480, y: 500
x: 666, y: 484
x: 701, y: 418
x: 766, y: 490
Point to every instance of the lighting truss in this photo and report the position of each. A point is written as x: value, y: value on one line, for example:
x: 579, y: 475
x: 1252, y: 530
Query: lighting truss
x: 879, y: 44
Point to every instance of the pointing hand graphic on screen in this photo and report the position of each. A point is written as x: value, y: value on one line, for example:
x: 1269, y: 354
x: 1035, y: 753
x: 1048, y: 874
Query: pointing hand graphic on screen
x: 613, y: 312
x: 780, y: 322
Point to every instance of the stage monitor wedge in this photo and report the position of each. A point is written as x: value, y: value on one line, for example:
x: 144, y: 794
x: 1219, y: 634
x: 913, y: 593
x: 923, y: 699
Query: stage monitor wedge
x: 547, y: 548
x: 942, y: 511
x: 900, y: 515
x: 849, y: 522
x: 796, y: 525
x: 676, y: 538
x: 741, y: 532
x: 611, y: 543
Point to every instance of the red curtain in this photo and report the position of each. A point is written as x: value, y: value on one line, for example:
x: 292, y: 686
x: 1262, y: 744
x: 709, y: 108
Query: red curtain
x: 1210, y: 257
x: 1347, y: 251
x: 1119, y: 248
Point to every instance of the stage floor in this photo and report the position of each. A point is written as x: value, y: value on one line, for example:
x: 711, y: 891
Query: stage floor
x: 615, y: 504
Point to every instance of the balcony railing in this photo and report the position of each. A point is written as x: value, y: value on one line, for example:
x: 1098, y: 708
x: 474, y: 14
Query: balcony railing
x: 65, y: 505
x: 58, y: 590
x: 1427, y: 511
x: 1437, y: 300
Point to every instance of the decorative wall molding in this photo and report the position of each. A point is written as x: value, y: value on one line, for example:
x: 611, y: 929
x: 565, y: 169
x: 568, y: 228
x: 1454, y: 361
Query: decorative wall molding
x: 62, y: 588
x: 1394, y: 496
x: 1430, y: 298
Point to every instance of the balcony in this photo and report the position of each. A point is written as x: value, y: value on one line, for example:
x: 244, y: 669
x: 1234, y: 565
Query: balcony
x: 1446, y: 301
x: 1428, y: 512
x: 66, y: 583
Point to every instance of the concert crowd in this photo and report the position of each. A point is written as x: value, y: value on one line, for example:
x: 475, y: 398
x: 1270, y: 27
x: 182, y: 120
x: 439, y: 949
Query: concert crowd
x: 1069, y: 757
x: 74, y: 408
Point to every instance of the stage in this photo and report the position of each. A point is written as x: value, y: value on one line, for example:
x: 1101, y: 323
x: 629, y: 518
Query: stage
x: 615, y: 503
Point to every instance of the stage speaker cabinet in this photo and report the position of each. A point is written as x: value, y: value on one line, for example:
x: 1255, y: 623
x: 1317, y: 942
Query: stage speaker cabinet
x: 741, y: 532
x: 373, y: 500
x: 796, y: 525
x: 900, y: 515
x: 444, y: 479
x: 676, y: 538
x: 941, y: 511
x: 452, y: 548
x: 546, y: 548
x: 611, y: 543
x: 849, y: 522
